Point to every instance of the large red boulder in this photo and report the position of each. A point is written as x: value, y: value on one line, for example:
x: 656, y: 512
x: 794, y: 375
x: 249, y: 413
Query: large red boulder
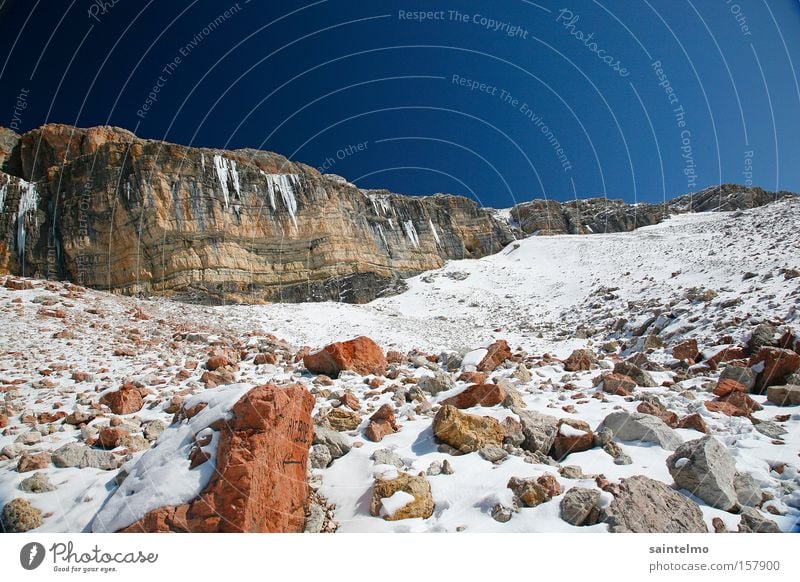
x: 126, y: 400
x: 497, y: 353
x: 686, y: 350
x: 360, y: 355
x: 776, y: 364
x: 483, y: 394
x: 260, y: 483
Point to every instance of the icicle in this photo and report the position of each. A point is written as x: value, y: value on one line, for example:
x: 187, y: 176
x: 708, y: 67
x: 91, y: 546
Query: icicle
x: 284, y: 184
x: 221, y: 166
x: 3, y: 190
x: 435, y: 234
x: 391, y: 224
x: 383, y: 236
x: 411, y: 233
x: 28, y: 201
x: 203, y: 160
x: 235, y: 177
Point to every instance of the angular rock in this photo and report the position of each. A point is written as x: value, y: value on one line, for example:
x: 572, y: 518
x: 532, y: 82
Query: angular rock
x: 706, y: 469
x: 360, y: 355
x: 69, y: 455
x: 753, y: 521
x: 784, y: 395
x: 343, y: 420
x: 33, y: 462
x: 126, y: 400
x: 477, y: 395
x: 580, y: 506
x: 381, y: 424
x: 104, y: 460
x: 635, y: 373
x: 643, y: 505
x: 37, y: 483
x: 319, y: 457
x: 387, y: 457
x: 260, y: 480
x: 636, y: 426
x: 337, y: 443
x: 618, y: 384
x: 418, y: 491
x: 109, y: 437
x: 686, y: 350
x: 694, y: 421
x: 741, y: 374
x: 747, y: 490
x: 466, y: 432
x: 534, y: 491
x: 20, y: 516
x: 439, y: 382
x: 734, y: 404
x: 573, y: 436
x: 778, y: 364
x: 580, y: 360
x: 497, y: 353
x: 539, y: 430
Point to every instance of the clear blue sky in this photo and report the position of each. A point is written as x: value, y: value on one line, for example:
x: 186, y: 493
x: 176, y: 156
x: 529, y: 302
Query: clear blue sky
x: 499, y: 100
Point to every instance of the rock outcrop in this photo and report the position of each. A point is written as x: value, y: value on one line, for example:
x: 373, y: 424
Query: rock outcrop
x: 105, y: 209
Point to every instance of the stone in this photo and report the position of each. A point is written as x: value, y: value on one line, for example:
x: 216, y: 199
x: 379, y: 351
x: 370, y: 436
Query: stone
x: 343, y: 420
x: 636, y: 426
x: 618, y: 384
x: 153, y: 429
x: 477, y: 395
x: 439, y: 382
x: 126, y: 400
x: 497, y: 353
x: 706, y: 469
x: 534, y: 491
x: 133, y: 443
x: 337, y: 443
x: 104, y: 460
x: 769, y: 428
x: 784, y: 395
x: 381, y: 424
x: 466, y: 432
x: 522, y: 373
x: 33, y: 462
x: 416, y: 487
x: 513, y: 399
x: 447, y: 468
x: 37, y: 483
x: 753, y: 521
x: 734, y: 404
x: 494, y: 455
x: 501, y: 513
x: 644, y: 505
x: 573, y: 436
x: 635, y: 373
x: 319, y: 457
x: 512, y: 431
x: 580, y: 360
x: 727, y: 386
x: 360, y: 355
x: 539, y: 430
x: 763, y: 336
x: 109, y: 437
x: 694, y: 421
x: 778, y: 364
x: 262, y: 359
x: 747, y: 490
x: 216, y: 362
x: 20, y: 516
x: 741, y: 374
x: 69, y: 455
x: 388, y: 457
x: 686, y: 350
x: 259, y: 484
x: 652, y: 405
x: 580, y: 506
x: 29, y: 438
x: 350, y: 400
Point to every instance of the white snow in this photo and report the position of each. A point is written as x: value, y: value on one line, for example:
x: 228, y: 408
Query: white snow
x: 435, y: 234
x: 28, y: 202
x: 567, y: 430
x: 411, y: 233
x: 283, y: 184
x: 221, y: 166
x: 398, y: 500
x: 681, y: 463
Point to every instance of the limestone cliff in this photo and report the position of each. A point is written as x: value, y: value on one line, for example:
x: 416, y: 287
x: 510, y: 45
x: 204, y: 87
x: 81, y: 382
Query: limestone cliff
x: 108, y: 210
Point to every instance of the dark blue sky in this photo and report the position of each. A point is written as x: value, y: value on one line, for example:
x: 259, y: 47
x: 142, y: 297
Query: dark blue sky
x: 499, y: 100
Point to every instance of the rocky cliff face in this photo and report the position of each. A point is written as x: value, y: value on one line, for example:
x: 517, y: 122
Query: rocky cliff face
x: 597, y: 215
x: 108, y: 210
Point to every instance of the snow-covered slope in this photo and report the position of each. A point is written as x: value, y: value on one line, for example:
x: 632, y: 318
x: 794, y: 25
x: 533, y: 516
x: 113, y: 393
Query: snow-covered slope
x: 702, y: 276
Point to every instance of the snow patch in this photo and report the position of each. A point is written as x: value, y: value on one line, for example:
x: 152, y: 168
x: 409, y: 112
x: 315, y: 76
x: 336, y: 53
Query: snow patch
x: 393, y: 504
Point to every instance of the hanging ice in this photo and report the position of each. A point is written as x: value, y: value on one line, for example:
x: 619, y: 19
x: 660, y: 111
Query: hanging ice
x: 284, y: 184
x: 222, y: 175
x: 380, y: 204
x: 383, y: 236
x: 234, y: 177
x: 411, y: 233
x: 435, y: 234
x: 28, y: 201
x: 3, y: 190
x: 391, y: 224
x: 203, y: 160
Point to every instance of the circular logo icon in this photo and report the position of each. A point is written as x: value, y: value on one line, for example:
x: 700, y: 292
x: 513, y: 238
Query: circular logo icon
x: 32, y: 555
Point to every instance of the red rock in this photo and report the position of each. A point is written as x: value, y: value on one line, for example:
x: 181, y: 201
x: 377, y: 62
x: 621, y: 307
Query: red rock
x: 564, y: 444
x: 375, y: 383
x: 477, y: 394
x: 382, y: 423
x: 18, y: 284
x: 197, y: 457
x: 216, y: 378
x: 267, y: 358
x: 726, y: 386
x: 360, y: 355
x: 109, y: 437
x: 260, y: 483
x: 580, y: 360
x: 778, y: 365
x: 28, y: 462
x: 81, y: 376
x: 550, y: 484
x: 3, y: 421
x: 694, y: 421
x: 618, y: 384
x: 48, y: 417
x: 734, y: 404
x: 215, y: 362
x: 686, y: 350
x: 126, y: 400
x: 726, y: 354
x: 395, y: 357
x: 474, y: 377
x: 669, y: 417
x: 497, y: 353
x: 350, y: 401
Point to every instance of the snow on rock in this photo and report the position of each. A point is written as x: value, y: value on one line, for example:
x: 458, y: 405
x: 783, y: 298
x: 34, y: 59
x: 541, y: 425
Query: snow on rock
x: 391, y: 505
x: 162, y: 476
